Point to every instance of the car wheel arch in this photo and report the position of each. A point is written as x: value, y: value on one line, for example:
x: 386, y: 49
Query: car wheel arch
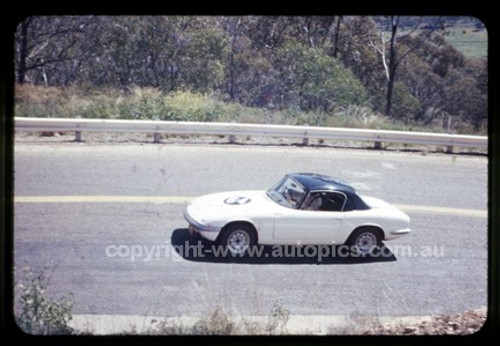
x: 371, y: 227
x: 240, y: 222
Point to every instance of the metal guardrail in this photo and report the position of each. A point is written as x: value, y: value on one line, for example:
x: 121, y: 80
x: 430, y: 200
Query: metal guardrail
x: 233, y: 129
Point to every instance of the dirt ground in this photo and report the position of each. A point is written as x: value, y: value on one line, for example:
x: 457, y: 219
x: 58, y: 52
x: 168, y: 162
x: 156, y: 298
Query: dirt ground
x: 458, y: 324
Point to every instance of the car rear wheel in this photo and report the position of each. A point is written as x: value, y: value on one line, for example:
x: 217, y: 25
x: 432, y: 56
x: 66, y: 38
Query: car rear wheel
x: 238, y: 238
x: 364, y: 240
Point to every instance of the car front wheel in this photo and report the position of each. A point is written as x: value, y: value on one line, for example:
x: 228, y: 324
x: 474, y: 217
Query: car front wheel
x: 238, y: 239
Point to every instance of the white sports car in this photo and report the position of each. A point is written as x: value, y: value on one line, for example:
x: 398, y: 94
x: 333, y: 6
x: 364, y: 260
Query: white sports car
x: 302, y: 208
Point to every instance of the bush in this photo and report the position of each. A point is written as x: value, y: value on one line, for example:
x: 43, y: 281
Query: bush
x: 404, y: 104
x: 357, y: 117
x: 314, y: 81
x: 188, y: 106
x: 38, y: 101
x: 35, y: 312
x: 153, y: 104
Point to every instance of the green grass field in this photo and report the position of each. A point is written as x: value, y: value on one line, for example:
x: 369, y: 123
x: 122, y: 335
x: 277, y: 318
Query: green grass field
x: 466, y: 34
x: 468, y: 40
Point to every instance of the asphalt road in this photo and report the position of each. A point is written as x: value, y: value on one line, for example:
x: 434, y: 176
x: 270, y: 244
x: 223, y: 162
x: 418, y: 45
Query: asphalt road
x: 97, y: 247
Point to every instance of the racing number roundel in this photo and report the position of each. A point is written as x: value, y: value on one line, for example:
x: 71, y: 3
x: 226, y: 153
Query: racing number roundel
x: 237, y: 200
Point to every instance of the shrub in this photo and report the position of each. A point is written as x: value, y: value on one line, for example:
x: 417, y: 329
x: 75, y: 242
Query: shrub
x: 357, y: 117
x: 188, y: 106
x: 314, y: 81
x: 154, y: 104
x: 405, y: 105
x: 35, y: 311
x: 36, y: 101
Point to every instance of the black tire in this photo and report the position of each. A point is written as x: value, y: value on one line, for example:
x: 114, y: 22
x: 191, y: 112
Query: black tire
x: 238, y: 238
x: 364, y: 240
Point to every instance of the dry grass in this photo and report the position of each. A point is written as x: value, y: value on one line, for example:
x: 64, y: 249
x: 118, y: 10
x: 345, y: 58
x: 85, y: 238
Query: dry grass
x: 153, y: 104
x: 457, y: 324
x: 219, y: 322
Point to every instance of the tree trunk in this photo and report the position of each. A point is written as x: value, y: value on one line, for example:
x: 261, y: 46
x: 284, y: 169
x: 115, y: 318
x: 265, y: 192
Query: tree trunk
x: 336, y: 37
x: 232, y: 67
x: 23, y: 52
x: 392, y: 66
x: 388, y: 100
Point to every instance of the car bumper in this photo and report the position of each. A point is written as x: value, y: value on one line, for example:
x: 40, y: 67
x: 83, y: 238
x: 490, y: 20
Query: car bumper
x: 206, y: 231
x: 398, y: 233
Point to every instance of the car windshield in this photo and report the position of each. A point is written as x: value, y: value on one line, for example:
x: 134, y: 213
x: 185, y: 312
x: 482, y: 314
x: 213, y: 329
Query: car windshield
x: 287, y: 193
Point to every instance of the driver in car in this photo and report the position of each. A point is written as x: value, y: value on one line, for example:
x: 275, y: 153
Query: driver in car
x: 315, y: 202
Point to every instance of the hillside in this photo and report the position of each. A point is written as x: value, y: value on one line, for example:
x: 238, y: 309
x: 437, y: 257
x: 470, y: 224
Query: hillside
x: 320, y: 66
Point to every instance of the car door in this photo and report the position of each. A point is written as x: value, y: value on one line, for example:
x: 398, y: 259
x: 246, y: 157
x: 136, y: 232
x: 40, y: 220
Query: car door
x: 311, y: 226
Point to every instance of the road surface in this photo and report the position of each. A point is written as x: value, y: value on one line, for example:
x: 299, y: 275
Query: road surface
x: 107, y: 219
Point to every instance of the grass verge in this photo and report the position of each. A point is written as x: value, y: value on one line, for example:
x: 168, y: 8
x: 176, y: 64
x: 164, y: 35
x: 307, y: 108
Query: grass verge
x: 152, y: 104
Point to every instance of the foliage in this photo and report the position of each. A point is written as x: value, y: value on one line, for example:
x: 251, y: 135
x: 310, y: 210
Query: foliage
x: 357, y: 117
x: 153, y: 104
x: 405, y: 104
x: 37, y: 313
x: 312, y: 80
x: 447, y: 84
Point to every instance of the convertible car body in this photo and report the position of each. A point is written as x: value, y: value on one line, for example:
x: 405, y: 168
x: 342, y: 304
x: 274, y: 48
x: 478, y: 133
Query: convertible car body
x: 302, y: 208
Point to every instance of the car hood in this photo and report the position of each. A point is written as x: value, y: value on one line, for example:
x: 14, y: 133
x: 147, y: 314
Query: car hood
x: 230, y: 205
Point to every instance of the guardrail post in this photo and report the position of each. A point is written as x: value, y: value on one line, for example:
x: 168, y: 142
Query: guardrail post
x: 378, y: 144
x: 78, y: 134
x: 156, y: 137
x: 447, y: 125
x: 232, y: 138
x: 305, y: 140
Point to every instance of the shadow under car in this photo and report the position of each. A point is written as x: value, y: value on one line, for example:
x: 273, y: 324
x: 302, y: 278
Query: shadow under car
x: 198, y: 249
